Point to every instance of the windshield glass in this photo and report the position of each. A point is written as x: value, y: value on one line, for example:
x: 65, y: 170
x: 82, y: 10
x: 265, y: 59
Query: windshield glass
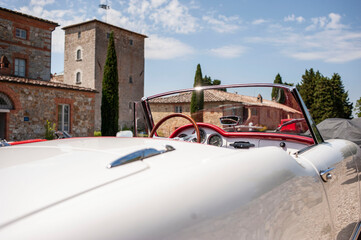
x: 246, y: 109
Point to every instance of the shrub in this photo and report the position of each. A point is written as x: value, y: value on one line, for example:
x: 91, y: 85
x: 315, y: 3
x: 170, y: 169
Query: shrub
x: 49, y: 130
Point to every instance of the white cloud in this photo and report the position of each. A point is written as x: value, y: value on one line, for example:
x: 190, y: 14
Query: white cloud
x: 259, y: 21
x: 169, y: 15
x: 330, y: 45
x: 41, y: 2
x: 117, y: 18
x: 175, y: 17
x: 138, y: 8
x: 332, y: 42
x: 335, y: 21
x: 293, y: 18
x: 229, y: 51
x: 165, y: 48
x: 319, y: 22
x: 157, y: 3
x: 223, y: 24
x: 330, y: 22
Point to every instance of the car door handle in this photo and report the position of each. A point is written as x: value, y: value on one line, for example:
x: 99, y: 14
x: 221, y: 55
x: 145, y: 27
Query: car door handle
x: 326, y: 174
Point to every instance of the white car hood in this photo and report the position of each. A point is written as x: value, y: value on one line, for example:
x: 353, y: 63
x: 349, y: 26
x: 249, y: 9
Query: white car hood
x: 39, y: 175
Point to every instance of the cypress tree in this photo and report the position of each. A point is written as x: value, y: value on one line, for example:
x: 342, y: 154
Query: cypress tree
x: 277, y: 93
x: 197, y: 101
x: 357, y: 108
x: 110, y: 97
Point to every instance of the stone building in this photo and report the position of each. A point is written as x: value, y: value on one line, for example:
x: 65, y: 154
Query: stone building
x: 25, y: 45
x: 26, y: 104
x: 84, y: 59
x: 27, y: 97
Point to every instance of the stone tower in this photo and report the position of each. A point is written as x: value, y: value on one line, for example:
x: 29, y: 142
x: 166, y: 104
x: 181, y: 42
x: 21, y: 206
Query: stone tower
x: 84, y: 59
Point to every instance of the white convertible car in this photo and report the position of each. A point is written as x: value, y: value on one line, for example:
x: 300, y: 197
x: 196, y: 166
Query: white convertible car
x: 218, y: 162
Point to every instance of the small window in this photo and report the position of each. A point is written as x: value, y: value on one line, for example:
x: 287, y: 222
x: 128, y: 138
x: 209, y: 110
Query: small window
x: 254, y: 112
x: 108, y: 35
x: 20, y: 33
x: 78, y: 55
x: 130, y: 79
x: 79, y: 34
x: 130, y: 42
x: 178, y: 109
x: 78, y: 78
x: 19, y: 67
x: 63, y: 117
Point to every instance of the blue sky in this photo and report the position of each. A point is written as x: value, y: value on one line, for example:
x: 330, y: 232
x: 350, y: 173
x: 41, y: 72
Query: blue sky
x: 234, y: 41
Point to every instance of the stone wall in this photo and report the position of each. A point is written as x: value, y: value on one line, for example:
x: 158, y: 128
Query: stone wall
x: 34, y: 104
x: 161, y: 110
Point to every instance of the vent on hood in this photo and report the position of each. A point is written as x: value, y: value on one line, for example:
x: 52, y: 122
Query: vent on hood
x: 139, y: 155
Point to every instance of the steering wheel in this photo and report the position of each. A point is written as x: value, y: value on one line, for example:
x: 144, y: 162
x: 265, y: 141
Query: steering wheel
x: 155, y: 128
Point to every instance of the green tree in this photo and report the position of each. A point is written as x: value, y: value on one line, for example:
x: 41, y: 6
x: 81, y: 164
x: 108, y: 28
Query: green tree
x: 307, y: 86
x: 323, y: 105
x: 197, y: 101
x: 277, y: 93
x: 216, y: 82
x: 324, y: 97
x: 110, y: 97
x: 289, y: 84
x: 357, y: 108
x: 207, y: 81
x: 342, y: 105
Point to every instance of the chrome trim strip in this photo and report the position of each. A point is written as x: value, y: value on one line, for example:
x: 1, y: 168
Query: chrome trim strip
x: 139, y: 155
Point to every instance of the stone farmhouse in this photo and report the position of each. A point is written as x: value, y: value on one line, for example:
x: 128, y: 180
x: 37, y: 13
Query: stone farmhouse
x: 29, y: 95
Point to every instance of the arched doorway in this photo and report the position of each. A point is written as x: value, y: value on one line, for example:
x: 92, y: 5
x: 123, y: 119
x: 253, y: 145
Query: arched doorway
x: 5, y: 106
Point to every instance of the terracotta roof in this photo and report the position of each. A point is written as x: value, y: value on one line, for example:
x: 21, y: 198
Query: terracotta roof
x: 29, y: 16
x: 97, y: 21
x: 221, y: 96
x: 43, y: 83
